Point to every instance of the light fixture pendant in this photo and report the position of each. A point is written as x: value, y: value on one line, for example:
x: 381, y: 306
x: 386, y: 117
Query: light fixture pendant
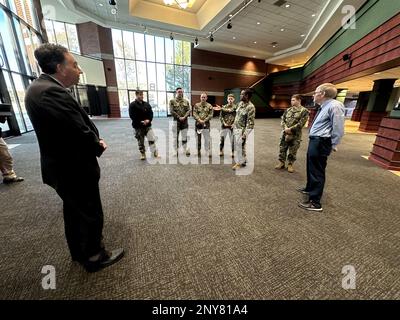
x: 183, y: 4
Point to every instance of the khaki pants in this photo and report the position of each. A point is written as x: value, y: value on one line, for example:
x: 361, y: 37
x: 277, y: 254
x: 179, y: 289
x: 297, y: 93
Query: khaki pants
x: 6, y: 161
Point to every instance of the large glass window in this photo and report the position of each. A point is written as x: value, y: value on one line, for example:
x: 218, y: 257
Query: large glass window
x: 150, y: 49
x: 19, y: 37
x: 73, y: 41
x: 129, y: 47
x: 155, y: 65
x: 60, y: 33
x: 139, y: 46
x: 9, y: 42
x: 64, y: 34
x: 118, y: 43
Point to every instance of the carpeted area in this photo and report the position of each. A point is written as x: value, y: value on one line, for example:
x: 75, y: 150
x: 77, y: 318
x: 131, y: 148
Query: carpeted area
x: 202, y: 232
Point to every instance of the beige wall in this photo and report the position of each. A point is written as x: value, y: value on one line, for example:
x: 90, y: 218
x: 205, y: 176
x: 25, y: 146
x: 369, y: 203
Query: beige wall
x: 93, y: 70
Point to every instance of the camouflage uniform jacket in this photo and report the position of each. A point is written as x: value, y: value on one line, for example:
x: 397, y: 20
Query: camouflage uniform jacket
x: 245, y: 116
x: 295, y: 119
x: 179, y: 108
x: 203, y: 111
x: 227, y: 115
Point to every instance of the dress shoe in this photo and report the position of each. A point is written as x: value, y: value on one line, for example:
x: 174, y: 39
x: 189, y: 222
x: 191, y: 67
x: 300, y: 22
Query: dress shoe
x: 310, y: 206
x: 302, y: 190
x: 105, y: 260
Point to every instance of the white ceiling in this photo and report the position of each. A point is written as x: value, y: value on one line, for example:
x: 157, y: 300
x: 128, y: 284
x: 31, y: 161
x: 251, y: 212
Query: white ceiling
x: 295, y: 20
x: 292, y: 49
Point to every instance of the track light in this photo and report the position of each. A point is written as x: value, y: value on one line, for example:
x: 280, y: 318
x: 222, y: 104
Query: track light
x: 229, y: 26
x: 112, y: 3
x: 171, y: 36
x: 211, y: 38
x: 196, y: 41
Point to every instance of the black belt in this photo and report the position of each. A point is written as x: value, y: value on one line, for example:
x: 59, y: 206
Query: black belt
x: 319, y: 138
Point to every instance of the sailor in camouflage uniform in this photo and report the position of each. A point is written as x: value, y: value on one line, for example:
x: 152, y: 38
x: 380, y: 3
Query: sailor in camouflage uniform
x: 203, y: 113
x: 243, y: 125
x: 180, y: 111
x: 227, y: 118
x: 293, y: 121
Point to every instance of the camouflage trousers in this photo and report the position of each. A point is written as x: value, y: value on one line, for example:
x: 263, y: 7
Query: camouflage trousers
x: 141, y: 134
x: 288, y: 150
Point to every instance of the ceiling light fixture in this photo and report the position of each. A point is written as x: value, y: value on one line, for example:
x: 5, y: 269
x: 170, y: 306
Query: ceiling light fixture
x: 183, y: 4
x: 229, y: 25
x: 212, y: 38
x: 171, y: 36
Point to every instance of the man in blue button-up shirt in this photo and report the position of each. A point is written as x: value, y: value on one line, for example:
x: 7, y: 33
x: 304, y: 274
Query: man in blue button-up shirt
x: 325, y: 135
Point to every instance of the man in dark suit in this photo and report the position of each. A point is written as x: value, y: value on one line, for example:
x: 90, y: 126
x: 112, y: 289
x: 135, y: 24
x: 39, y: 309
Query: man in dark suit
x: 69, y: 146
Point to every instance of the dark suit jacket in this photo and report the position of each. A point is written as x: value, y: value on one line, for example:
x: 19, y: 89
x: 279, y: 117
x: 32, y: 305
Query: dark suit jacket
x: 139, y: 112
x: 68, y: 139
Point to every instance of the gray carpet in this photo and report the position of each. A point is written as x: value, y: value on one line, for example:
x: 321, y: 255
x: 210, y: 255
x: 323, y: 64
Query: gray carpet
x: 201, y: 232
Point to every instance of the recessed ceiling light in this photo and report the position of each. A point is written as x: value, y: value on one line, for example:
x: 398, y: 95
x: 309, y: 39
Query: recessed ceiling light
x: 282, y: 29
x: 255, y: 42
x: 303, y: 35
x: 313, y: 15
x: 231, y: 15
x: 258, y: 23
x: 274, y: 46
x: 254, y: 56
x: 287, y: 6
x: 234, y: 38
x: 100, y: 4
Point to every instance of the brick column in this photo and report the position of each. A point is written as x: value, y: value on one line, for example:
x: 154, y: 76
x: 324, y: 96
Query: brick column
x: 377, y: 104
x: 386, y: 149
x: 96, y: 41
x: 362, y: 103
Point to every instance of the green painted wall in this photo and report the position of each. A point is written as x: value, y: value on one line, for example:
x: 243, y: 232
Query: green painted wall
x: 288, y: 76
x: 373, y: 14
